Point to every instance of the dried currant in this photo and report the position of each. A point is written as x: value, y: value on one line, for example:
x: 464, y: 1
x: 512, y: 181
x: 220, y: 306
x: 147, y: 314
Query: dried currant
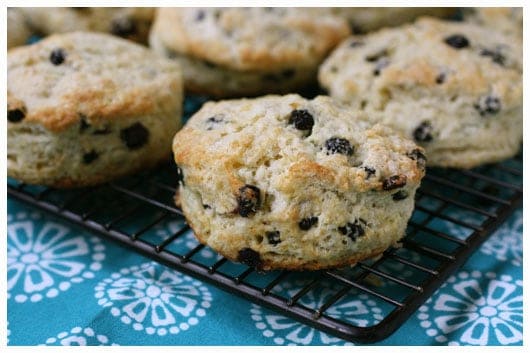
x: 212, y: 121
x: 273, y: 237
x: 90, y: 157
x: 394, y: 182
x: 215, y: 119
x: 418, y: 156
x: 57, y: 56
x: 302, y: 119
x: 457, y: 41
x: 495, y: 55
x: 380, y: 65
x: 423, y: 133
x: 288, y: 73
x: 369, y: 172
x: 123, y: 27
x: 354, y: 230
x: 338, y: 145
x: 248, y: 200
x: 209, y: 64
x: 307, y: 223
x: 400, y: 195
x: 134, y: 136
x: 16, y: 115
x: 249, y: 257
x: 375, y: 57
x: 488, y: 105
x: 83, y: 124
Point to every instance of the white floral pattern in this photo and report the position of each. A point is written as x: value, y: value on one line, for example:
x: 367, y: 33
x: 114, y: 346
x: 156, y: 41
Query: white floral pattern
x: 186, y: 241
x: 78, y: 336
x: 154, y: 299
x: 360, y: 311
x: 44, y: 258
x: 506, y: 244
x: 475, y: 309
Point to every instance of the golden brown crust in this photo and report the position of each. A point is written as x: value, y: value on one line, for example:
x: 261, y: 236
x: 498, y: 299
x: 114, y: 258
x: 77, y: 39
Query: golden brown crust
x: 132, y: 23
x: 258, y: 183
x: 460, y: 101
x: 250, y: 38
x: 102, y: 78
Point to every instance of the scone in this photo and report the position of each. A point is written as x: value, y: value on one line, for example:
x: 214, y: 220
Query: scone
x: 366, y: 19
x: 85, y: 108
x: 455, y: 88
x: 228, y: 52
x: 18, y: 30
x: 281, y: 182
x: 132, y: 23
x: 508, y: 20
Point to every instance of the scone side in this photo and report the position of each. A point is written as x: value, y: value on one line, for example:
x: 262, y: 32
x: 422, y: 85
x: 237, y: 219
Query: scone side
x: 84, y: 155
x: 313, y: 206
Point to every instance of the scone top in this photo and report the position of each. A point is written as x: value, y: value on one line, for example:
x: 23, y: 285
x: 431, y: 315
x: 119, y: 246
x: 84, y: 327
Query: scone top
x: 289, y: 143
x: 127, y: 22
x: 251, y: 38
x: 508, y: 20
x: 65, y: 78
x: 437, y: 57
x: 453, y: 87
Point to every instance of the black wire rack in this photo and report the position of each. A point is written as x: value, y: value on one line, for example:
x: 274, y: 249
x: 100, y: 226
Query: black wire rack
x: 455, y: 212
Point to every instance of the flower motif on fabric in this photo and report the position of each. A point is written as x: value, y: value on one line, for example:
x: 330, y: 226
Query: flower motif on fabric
x: 507, y: 242
x: 475, y: 309
x: 79, y: 337
x: 184, y: 242
x: 360, y: 311
x: 285, y: 331
x: 45, y: 258
x: 154, y: 299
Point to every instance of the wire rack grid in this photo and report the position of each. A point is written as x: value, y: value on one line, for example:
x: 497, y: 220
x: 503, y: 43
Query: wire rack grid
x: 455, y: 212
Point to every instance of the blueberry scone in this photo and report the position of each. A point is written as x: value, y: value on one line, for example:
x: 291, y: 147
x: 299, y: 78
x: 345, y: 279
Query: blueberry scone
x: 366, y: 19
x: 285, y: 182
x: 18, y: 30
x: 508, y: 20
x: 455, y: 88
x: 246, y: 51
x: 84, y: 108
x: 131, y: 23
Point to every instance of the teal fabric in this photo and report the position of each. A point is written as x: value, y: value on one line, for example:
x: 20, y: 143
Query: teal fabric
x: 69, y: 287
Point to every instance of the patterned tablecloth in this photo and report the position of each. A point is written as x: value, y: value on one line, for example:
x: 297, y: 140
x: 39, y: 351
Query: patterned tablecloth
x: 69, y: 287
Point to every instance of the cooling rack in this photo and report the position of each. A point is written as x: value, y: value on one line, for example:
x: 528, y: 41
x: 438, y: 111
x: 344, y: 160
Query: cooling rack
x: 455, y: 212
